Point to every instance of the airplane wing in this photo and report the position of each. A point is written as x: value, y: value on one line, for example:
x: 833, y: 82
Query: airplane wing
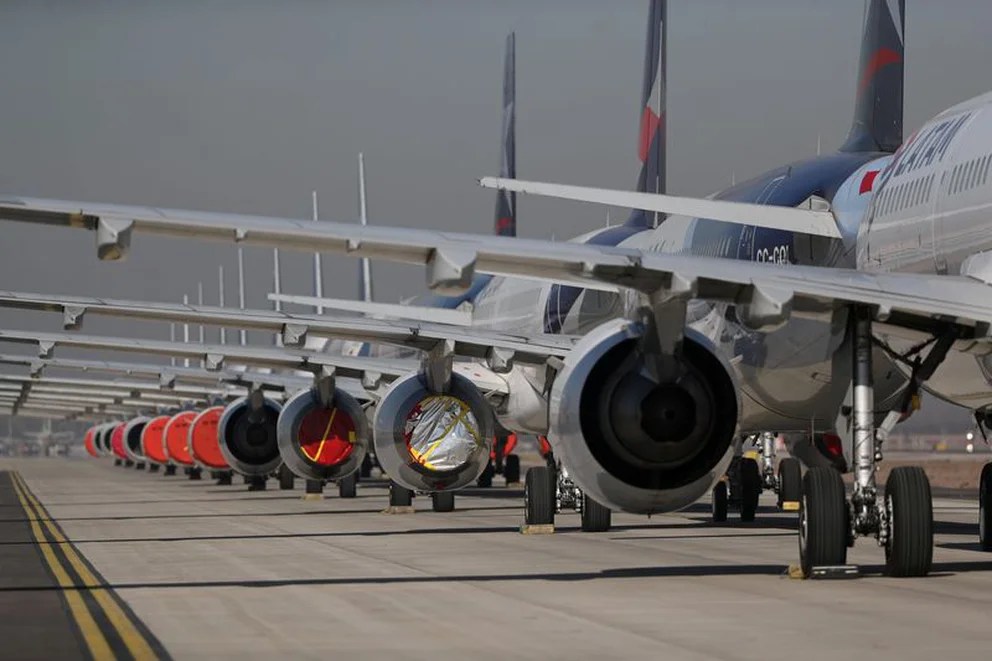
x: 381, y: 310
x: 914, y: 301
x: 470, y: 343
x: 805, y: 221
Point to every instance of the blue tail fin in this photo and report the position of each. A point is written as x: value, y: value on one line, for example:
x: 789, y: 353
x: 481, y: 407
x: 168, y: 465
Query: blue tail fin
x: 878, y: 110
x: 506, y: 202
x: 651, y: 147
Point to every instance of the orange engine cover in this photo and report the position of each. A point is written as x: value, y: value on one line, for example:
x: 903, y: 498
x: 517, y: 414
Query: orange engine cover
x: 204, y: 443
x: 177, y: 437
x: 153, y: 439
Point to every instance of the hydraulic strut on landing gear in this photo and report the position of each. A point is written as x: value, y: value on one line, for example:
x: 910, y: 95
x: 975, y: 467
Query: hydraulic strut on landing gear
x: 902, y: 520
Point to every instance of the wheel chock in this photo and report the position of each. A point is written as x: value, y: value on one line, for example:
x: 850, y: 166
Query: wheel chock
x: 790, y: 506
x: 399, y: 509
x: 537, y: 529
x: 825, y: 572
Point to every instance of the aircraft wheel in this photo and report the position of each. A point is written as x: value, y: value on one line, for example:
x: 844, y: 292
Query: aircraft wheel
x: 985, y: 508
x: 443, y: 501
x: 117, y: 462
x: 286, y: 478
x: 486, y: 478
x: 511, y: 471
x: 399, y: 496
x: 909, y: 551
x: 595, y: 517
x: 366, y: 468
x: 720, y: 501
x: 348, y: 486
x: 224, y: 478
x: 539, y: 501
x: 750, y: 488
x: 822, y: 520
x: 170, y: 469
x: 790, y: 483
x: 152, y: 468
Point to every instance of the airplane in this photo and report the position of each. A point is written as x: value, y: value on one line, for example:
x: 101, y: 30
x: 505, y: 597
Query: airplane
x: 825, y: 294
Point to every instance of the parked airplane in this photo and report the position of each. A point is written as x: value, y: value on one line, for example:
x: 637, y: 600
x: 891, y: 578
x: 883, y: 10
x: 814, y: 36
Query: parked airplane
x: 782, y: 303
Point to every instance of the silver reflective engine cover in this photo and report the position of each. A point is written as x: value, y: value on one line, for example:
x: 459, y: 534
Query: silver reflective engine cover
x: 248, y: 438
x: 585, y: 454
x: 319, y: 443
x: 431, y: 442
x: 132, y: 439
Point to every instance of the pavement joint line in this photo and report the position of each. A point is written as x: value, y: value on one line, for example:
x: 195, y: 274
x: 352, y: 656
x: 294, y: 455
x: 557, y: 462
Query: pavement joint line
x: 135, y: 641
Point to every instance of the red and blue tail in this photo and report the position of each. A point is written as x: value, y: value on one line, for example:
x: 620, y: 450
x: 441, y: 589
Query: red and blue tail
x: 878, y: 110
x: 506, y: 202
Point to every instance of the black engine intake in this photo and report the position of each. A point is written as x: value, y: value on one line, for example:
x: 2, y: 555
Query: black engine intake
x: 247, y: 435
x: 640, y: 432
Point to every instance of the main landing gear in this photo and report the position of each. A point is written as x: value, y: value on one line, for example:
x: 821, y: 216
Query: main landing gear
x: 985, y: 508
x: 738, y: 491
x: 548, y: 490
x: 902, y: 520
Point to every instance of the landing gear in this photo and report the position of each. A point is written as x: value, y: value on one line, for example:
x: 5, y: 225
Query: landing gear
x: 348, y: 486
x: 750, y: 484
x: 985, y: 508
x: 195, y: 473
x: 486, y: 478
x: 902, y: 521
x: 399, y: 496
x: 224, y: 478
x: 539, y: 497
x: 286, y: 478
x: 443, y: 501
x: 823, y: 525
x: 152, y: 468
x: 511, y: 469
x: 140, y: 466
x: 170, y: 470
x: 117, y: 462
x: 720, y: 502
x: 366, y: 468
x: 257, y: 482
x: 595, y: 517
x: 909, y: 510
x: 790, y: 484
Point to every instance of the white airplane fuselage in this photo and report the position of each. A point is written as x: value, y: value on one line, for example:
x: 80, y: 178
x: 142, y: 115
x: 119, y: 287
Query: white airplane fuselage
x: 923, y: 210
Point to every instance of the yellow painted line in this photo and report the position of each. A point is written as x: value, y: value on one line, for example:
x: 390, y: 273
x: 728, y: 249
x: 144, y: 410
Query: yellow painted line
x: 95, y: 640
x: 135, y: 642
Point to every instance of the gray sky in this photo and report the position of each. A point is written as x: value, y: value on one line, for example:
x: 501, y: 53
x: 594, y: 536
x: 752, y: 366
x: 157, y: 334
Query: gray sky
x: 248, y: 106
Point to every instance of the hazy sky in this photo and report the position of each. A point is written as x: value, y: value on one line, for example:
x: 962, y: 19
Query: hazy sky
x: 248, y: 106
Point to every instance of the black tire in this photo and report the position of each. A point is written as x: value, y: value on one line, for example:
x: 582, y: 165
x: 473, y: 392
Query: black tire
x: 486, y: 478
x: 348, y: 486
x: 595, y: 517
x: 790, y: 481
x: 985, y: 508
x: 539, y: 497
x: 287, y: 480
x: 117, y: 462
x: 750, y: 488
x: 822, y: 520
x: 720, y: 498
x: 399, y: 496
x: 170, y: 469
x: 511, y: 471
x: 224, y: 478
x: 366, y: 468
x: 152, y: 468
x: 443, y: 501
x: 909, y: 551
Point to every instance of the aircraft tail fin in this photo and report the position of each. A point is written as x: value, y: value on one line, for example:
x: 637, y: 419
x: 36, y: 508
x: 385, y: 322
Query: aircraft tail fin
x: 651, y: 144
x: 364, y: 265
x: 506, y: 201
x: 878, y: 107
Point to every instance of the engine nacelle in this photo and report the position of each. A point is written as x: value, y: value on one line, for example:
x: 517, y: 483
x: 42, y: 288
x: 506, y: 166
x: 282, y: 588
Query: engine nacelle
x: 132, y: 439
x: 635, y: 444
x: 204, y: 443
x: 153, y: 440
x: 101, y: 438
x: 89, y: 442
x: 117, y: 441
x: 247, y: 436
x: 430, y: 442
x: 323, y: 443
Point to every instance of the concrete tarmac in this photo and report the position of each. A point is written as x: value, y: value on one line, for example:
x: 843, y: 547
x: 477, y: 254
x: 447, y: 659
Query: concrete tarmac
x: 218, y: 572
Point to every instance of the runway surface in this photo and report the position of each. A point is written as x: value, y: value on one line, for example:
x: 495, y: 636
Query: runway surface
x: 205, y: 571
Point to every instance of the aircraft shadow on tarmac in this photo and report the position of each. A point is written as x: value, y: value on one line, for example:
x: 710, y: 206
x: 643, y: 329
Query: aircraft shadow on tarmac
x: 686, y: 571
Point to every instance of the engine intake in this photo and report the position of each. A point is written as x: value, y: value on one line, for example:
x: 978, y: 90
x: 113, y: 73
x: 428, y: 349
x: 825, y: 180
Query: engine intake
x: 248, y: 436
x: 431, y: 442
x: 637, y: 441
x: 323, y: 443
x: 132, y: 439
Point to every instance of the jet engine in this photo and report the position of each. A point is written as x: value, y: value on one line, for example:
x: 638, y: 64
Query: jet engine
x: 247, y: 435
x: 132, y: 439
x: 88, y: 442
x: 433, y: 442
x: 101, y: 438
x: 643, y: 432
x: 318, y: 442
